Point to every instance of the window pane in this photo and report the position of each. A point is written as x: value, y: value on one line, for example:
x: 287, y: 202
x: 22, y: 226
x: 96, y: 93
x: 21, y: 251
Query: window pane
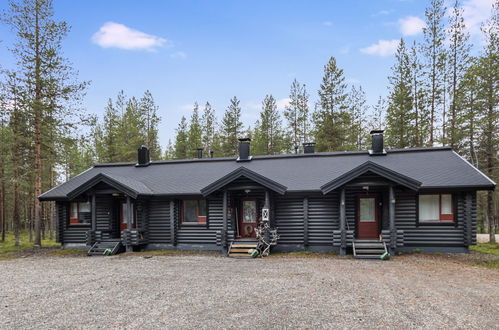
x: 446, y: 204
x: 124, y: 212
x: 429, y: 208
x: 367, y: 209
x: 249, y: 211
x: 190, y: 210
x: 74, y: 211
x: 202, y: 207
x: 84, y: 212
x: 85, y: 207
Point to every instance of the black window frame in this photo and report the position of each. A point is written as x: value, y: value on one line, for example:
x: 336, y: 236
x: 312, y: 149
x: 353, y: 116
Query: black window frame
x: 193, y: 224
x: 70, y: 208
x: 450, y: 223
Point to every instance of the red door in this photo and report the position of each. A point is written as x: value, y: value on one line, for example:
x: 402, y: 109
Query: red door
x: 123, y: 222
x: 367, y: 217
x: 248, y: 219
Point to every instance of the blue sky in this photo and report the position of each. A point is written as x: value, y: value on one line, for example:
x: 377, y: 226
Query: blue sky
x: 187, y: 51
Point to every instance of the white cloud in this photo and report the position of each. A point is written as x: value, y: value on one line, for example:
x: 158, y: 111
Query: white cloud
x: 282, y: 103
x: 327, y: 23
x: 382, y: 48
x: 383, y: 12
x: 476, y: 12
x: 411, y: 25
x: 117, y: 35
x: 187, y: 107
x: 178, y: 55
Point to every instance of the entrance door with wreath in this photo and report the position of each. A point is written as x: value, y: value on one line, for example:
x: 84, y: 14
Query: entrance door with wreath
x: 248, y: 218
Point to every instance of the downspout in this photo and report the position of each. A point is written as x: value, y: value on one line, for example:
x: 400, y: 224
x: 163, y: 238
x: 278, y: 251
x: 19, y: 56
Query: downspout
x: 343, y: 242
x: 391, y: 212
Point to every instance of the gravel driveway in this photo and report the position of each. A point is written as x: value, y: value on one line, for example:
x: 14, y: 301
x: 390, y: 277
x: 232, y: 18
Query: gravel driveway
x: 202, y: 291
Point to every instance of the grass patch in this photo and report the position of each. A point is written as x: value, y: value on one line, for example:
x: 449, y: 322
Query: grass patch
x: 9, y: 250
x: 67, y: 252
x: 488, y: 248
x: 489, y: 263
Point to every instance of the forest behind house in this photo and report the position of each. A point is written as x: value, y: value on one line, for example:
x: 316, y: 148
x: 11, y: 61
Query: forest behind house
x: 439, y: 93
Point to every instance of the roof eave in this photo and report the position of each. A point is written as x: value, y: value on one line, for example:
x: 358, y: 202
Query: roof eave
x: 243, y: 171
x: 370, y: 166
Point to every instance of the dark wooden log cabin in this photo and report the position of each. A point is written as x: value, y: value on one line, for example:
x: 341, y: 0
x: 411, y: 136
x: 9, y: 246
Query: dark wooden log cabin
x: 406, y: 198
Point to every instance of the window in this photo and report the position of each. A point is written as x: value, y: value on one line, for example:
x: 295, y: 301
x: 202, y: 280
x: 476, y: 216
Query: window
x: 367, y: 209
x: 194, y: 211
x: 436, y: 208
x: 79, y: 213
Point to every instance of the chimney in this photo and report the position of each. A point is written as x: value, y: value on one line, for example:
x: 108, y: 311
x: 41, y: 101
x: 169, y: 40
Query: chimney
x: 244, y: 150
x: 200, y: 153
x: 309, y: 148
x: 377, y: 143
x: 143, y: 156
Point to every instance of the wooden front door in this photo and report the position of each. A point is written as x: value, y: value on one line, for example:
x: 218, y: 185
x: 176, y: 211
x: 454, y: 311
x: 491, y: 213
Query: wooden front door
x: 248, y: 218
x: 123, y: 222
x: 367, y: 216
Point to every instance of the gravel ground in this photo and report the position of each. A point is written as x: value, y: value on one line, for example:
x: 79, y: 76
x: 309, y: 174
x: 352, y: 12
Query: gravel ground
x: 203, y: 291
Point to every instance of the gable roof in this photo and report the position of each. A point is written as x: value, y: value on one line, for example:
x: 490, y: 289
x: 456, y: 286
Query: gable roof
x: 432, y: 167
x: 243, y: 172
x: 129, y: 186
x: 370, y: 166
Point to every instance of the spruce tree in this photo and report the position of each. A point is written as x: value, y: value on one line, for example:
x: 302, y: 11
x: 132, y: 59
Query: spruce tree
x: 208, y: 128
x: 181, y: 140
x: 399, y: 115
x: 231, y: 128
x: 194, y: 133
x: 268, y: 135
x: 331, y: 120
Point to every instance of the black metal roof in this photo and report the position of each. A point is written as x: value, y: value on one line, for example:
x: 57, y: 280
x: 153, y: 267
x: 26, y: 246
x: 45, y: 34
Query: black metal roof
x: 427, y: 167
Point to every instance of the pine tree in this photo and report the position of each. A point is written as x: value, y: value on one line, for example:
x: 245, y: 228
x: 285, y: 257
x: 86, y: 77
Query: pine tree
x: 151, y: 121
x: 331, y: 120
x: 459, y: 62
x: 399, y: 115
x: 194, y: 134
x: 181, y: 140
x: 231, y: 128
x: 487, y: 70
x: 170, y: 150
x: 357, y: 108
x: 208, y: 128
x: 268, y: 136
x: 434, y: 52
x: 48, y: 77
x: 296, y: 114
x: 419, y: 100
x: 377, y: 118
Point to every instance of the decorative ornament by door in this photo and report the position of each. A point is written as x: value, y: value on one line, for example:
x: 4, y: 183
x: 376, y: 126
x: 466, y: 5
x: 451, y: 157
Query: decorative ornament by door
x: 248, y: 230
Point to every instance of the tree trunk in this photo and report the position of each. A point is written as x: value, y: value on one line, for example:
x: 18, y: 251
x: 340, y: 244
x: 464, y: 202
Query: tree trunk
x: 491, y: 216
x: 37, y: 105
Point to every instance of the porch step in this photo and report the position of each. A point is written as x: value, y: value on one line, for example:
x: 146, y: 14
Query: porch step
x: 368, y: 249
x: 240, y: 248
x: 99, y: 248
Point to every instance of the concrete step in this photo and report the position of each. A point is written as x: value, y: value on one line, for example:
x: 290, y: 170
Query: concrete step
x: 369, y: 251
